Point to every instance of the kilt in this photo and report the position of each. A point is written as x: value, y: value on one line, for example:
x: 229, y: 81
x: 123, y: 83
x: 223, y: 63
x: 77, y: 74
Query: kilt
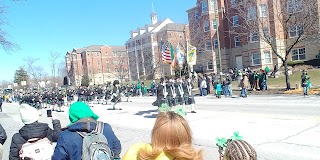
x: 171, y: 101
x: 159, y: 102
x: 189, y: 100
x: 179, y: 100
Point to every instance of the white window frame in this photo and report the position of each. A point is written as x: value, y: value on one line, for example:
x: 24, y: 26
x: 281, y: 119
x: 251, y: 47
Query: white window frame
x: 263, y: 10
x: 208, y: 46
x: 204, y: 6
x: 298, y: 52
x: 294, y: 6
x: 233, y: 3
x: 213, y: 4
x: 252, y: 35
x: 237, y: 41
x: 210, y: 63
x: 215, y: 43
x: 296, y: 30
x: 98, y: 54
x: 235, y: 19
x: 253, y: 59
x: 267, y: 59
x: 206, y: 26
x: 214, y: 24
x: 251, y: 13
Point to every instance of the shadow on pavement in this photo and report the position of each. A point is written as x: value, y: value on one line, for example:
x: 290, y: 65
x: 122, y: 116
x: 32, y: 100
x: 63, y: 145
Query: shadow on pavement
x: 148, y: 113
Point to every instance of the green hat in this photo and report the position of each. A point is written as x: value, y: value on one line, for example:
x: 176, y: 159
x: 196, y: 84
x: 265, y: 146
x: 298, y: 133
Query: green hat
x: 79, y: 110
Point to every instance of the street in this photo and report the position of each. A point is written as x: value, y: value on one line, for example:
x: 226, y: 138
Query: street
x: 280, y: 127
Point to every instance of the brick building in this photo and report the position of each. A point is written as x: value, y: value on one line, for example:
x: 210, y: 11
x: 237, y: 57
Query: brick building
x: 144, y: 47
x: 248, y: 29
x: 100, y: 63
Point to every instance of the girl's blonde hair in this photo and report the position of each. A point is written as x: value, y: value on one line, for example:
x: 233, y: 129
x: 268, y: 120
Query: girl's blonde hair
x: 172, y: 135
x: 239, y: 150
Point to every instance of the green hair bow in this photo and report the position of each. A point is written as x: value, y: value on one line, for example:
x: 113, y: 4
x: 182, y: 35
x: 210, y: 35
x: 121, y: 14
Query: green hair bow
x: 180, y: 111
x: 223, y: 142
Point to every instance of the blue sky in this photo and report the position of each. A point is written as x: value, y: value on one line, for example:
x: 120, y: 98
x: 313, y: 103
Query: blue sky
x: 43, y: 26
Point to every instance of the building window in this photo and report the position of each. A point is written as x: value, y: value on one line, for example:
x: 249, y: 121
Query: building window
x: 107, y: 66
x: 214, y: 24
x: 296, y: 31
x: 233, y: 3
x: 107, y: 53
x: 204, y: 6
x: 215, y: 43
x: 210, y: 65
x: 208, y: 46
x: 98, y: 54
x: 213, y: 4
x: 196, y: 15
x: 267, y: 57
x: 236, y: 41
x: 266, y: 33
x: 298, y: 54
x: 294, y: 6
x: 99, y: 70
x: 254, y: 37
x: 115, y: 54
x: 263, y: 10
x: 89, y: 63
x: 251, y: 15
x: 115, y: 62
x: 99, y: 63
x: 206, y: 26
x: 256, y: 59
x: 74, y: 56
x: 235, y: 21
x: 77, y: 81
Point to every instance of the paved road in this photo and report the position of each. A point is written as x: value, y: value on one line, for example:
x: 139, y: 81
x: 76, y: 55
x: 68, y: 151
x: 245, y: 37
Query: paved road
x: 279, y: 127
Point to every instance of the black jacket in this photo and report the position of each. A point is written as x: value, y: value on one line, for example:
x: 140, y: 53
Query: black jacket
x: 3, y: 135
x: 33, y: 130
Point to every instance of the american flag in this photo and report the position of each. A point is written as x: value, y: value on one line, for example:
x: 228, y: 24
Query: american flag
x: 166, y: 55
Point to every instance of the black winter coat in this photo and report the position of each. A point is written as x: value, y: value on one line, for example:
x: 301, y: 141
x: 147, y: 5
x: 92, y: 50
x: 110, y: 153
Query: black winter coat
x: 3, y: 135
x: 33, y: 130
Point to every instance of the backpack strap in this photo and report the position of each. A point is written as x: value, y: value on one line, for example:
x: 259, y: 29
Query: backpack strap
x: 99, y: 127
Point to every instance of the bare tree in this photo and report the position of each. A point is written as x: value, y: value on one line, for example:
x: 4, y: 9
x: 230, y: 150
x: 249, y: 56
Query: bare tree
x: 53, y: 59
x: 281, y: 25
x: 6, y: 44
x: 31, y: 68
x: 62, y: 71
x: 121, y: 67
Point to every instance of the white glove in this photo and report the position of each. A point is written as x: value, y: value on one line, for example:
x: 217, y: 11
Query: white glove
x: 174, y: 95
x: 165, y: 94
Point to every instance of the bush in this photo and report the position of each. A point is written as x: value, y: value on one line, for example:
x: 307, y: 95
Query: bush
x: 294, y: 63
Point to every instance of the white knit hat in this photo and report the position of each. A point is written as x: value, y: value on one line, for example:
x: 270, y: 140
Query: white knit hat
x: 28, y: 114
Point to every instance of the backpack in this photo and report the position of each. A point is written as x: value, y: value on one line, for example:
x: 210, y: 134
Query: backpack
x: 95, y: 145
x: 37, y: 149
